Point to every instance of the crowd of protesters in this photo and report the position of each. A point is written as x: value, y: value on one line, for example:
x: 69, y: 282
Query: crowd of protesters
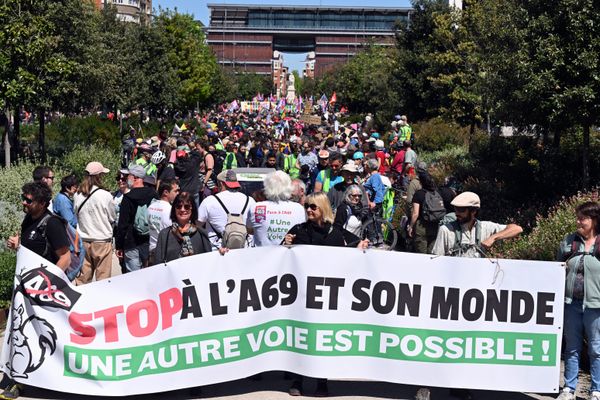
x: 179, y: 195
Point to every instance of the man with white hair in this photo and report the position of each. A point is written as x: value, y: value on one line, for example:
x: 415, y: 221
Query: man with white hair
x: 298, y: 191
x: 273, y: 218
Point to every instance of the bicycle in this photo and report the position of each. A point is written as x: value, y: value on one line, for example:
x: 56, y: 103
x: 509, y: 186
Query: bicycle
x: 380, y: 232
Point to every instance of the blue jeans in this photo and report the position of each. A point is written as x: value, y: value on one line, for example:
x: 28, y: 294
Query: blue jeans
x: 137, y: 257
x: 577, y: 321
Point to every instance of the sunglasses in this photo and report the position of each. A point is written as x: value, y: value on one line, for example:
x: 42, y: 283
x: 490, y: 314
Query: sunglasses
x: 27, y: 200
x: 312, y: 206
x: 186, y: 207
x: 356, y: 196
x: 50, y: 177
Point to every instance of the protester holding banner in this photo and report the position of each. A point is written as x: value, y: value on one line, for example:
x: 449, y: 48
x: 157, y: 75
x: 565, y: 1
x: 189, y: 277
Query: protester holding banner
x: 184, y: 238
x: 45, y: 235
x: 582, y: 298
x: 467, y: 237
x: 319, y: 230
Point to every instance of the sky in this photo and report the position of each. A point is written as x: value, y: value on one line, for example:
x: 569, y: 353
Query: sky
x: 294, y: 61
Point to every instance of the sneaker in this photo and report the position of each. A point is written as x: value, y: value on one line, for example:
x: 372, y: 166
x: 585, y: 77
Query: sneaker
x: 12, y: 392
x: 423, y: 394
x: 566, y: 394
x: 295, y: 389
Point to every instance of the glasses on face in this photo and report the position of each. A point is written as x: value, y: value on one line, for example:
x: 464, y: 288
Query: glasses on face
x: 356, y: 196
x: 26, y: 199
x: 50, y: 177
x: 312, y: 206
x: 184, y: 206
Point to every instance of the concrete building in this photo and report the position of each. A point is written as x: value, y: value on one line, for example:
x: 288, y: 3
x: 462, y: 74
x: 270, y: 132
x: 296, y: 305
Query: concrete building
x: 279, y: 73
x: 244, y: 37
x: 129, y: 10
x: 309, y: 66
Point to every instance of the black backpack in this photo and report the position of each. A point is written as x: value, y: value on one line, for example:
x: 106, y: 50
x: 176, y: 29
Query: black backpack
x: 433, y: 207
x: 575, y: 243
x: 219, y: 157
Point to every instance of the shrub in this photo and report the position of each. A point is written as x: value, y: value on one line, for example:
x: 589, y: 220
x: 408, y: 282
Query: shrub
x: 8, y: 262
x: 436, y: 134
x: 543, y: 241
x: 453, y: 160
x: 13, y: 178
x: 79, y: 156
x: 11, y: 216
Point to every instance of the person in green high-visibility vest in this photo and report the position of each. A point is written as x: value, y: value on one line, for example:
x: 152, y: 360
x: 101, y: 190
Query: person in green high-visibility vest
x: 330, y: 176
x: 290, y: 163
x: 230, y: 157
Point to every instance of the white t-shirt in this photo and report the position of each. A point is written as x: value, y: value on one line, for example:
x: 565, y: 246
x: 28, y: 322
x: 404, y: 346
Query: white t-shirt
x: 272, y: 220
x: 212, y: 213
x: 159, y: 218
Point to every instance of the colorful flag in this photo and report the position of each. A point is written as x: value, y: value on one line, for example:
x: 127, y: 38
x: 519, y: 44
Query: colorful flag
x: 333, y: 98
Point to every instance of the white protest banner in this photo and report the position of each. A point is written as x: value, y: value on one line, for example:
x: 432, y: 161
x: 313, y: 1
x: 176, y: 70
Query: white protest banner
x: 317, y: 311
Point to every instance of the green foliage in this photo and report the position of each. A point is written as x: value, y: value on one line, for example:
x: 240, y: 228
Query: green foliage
x: 437, y: 134
x: 366, y: 83
x: 451, y: 160
x: 8, y: 263
x: 11, y: 216
x: 188, y: 52
x: 11, y: 181
x: 13, y: 178
x: 65, y: 133
x: 542, y: 242
x: 76, y: 160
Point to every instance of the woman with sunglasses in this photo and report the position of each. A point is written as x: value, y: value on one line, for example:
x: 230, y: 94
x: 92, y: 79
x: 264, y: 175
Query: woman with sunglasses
x: 184, y: 238
x: 319, y: 230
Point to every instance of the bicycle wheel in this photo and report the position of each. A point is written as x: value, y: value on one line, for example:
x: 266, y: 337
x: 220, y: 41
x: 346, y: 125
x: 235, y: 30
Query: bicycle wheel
x: 384, y: 238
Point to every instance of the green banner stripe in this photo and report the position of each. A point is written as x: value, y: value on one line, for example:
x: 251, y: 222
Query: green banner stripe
x: 318, y: 339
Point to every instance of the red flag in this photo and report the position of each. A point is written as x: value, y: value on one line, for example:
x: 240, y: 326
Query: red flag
x: 333, y: 98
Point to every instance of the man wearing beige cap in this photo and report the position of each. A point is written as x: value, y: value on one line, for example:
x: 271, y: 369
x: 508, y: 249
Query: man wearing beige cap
x: 96, y: 214
x: 467, y: 236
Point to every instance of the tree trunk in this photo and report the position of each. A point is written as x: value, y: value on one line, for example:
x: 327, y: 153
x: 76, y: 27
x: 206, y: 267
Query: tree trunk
x: 17, y: 130
x: 585, y: 156
x: 7, y: 138
x: 471, y: 135
x: 42, y: 134
x: 556, y: 142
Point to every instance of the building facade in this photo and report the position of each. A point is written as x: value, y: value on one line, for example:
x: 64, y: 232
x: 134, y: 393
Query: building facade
x: 245, y: 37
x: 129, y: 10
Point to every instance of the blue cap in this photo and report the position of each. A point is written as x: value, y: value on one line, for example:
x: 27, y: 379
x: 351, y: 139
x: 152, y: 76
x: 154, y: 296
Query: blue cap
x: 375, y: 135
x: 358, y: 155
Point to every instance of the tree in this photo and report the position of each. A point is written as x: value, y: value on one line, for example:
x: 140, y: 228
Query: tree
x: 34, y: 71
x: 195, y: 63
